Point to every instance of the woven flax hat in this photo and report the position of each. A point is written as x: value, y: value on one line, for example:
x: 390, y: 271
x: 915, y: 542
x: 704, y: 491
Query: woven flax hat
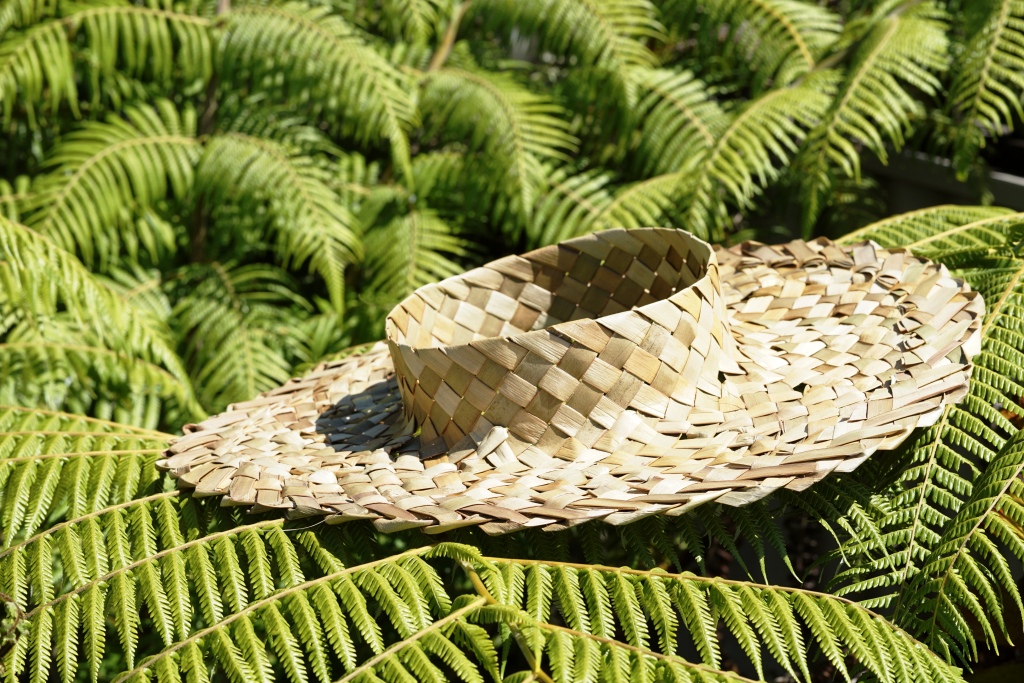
x: 611, y: 376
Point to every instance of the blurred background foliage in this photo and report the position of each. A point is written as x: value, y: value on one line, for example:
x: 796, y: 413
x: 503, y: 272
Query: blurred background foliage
x: 252, y: 184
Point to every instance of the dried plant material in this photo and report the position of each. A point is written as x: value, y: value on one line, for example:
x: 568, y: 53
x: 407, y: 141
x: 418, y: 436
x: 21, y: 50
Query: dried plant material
x: 611, y: 376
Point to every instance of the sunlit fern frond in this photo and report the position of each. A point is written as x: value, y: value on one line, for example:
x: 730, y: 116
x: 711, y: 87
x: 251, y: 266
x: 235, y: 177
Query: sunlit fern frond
x: 42, y: 282
x: 570, y: 207
x: 143, y: 288
x: 56, y: 364
x: 56, y: 466
x: 286, y: 193
x: 940, y: 228
x: 512, y: 129
x: 967, y: 576
x: 604, y: 39
x: 876, y: 106
x: 104, y: 176
x: 263, y: 599
x: 937, y: 472
x: 416, y: 21
x: 13, y: 196
x: 327, y: 66
x: 988, y: 75
x: 39, y: 65
x: 760, y: 138
x: 779, y: 39
x: 24, y: 81
x: 154, y: 43
x: 409, y: 251
x: 20, y: 13
x: 657, y: 612
x: 643, y: 203
x: 234, y: 322
x: 681, y: 121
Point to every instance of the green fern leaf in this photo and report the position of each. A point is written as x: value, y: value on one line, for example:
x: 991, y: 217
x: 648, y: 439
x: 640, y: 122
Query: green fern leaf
x: 761, y: 137
x: 988, y: 77
x: 513, y: 129
x: 104, y: 171
x: 331, y: 69
x: 309, y: 220
x: 610, y: 36
x: 874, y: 107
x: 780, y: 39
x: 943, y: 463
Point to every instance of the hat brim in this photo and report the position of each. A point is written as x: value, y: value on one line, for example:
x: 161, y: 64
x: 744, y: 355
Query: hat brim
x: 843, y: 352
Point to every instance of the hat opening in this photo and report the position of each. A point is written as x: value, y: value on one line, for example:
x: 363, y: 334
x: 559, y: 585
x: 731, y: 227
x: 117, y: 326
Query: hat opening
x: 522, y: 342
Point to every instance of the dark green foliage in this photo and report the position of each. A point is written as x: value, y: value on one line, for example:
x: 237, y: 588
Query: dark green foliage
x: 204, y: 197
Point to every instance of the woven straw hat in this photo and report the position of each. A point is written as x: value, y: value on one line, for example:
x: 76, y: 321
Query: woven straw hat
x: 612, y: 376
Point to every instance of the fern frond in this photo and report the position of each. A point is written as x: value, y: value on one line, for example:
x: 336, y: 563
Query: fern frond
x: 759, y: 140
x: 410, y: 251
x: 610, y: 36
x: 150, y: 43
x: 23, y: 80
x: 940, y: 468
x: 55, y: 465
x: 512, y: 129
x: 235, y: 330
x: 901, y: 52
x: 681, y: 120
x: 940, y: 228
x: 54, y: 364
x: 21, y: 13
x: 781, y: 39
x: 968, y: 570
x: 784, y: 622
x: 41, y: 280
x: 38, y: 65
x: 104, y: 175
x: 988, y: 76
x: 287, y: 192
x: 330, y: 68
x: 570, y: 207
x: 13, y: 196
x: 416, y: 21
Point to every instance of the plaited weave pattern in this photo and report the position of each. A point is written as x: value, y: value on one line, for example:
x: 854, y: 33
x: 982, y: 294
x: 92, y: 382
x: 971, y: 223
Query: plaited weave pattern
x: 612, y: 376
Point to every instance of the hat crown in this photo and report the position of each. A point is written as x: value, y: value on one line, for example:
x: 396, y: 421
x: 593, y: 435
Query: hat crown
x: 565, y: 341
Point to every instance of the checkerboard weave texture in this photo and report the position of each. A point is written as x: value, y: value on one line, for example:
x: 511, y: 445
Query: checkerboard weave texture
x: 612, y: 376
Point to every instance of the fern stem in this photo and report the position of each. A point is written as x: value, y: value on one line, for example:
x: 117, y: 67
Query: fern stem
x: 255, y: 606
x: 369, y: 664
x: 445, y: 48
